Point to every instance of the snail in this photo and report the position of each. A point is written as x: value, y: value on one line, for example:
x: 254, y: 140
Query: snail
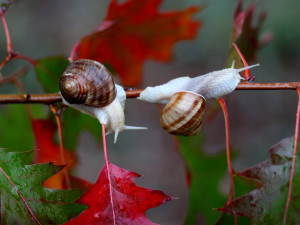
x: 88, y: 86
x: 209, y: 86
x: 183, y: 114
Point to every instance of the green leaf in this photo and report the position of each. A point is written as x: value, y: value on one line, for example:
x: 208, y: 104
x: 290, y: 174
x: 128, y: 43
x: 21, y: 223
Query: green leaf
x: 48, y: 205
x: 48, y: 71
x: 15, y: 128
x: 207, y: 173
x: 75, y: 122
x: 265, y: 205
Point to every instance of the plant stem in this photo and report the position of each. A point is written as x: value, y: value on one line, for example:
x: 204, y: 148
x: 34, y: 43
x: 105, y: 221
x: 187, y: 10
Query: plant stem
x: 57, y: 114
x: 293, y: 161
x: 56, y: 97
x: 107, y: 164
x: 13, y: 77
x: 8, y: 42
x: 230, y: 169
x: 247, y: 72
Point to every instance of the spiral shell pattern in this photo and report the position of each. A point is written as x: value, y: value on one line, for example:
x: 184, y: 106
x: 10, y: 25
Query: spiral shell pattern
x: 87, y: 82
x: 183, y: 113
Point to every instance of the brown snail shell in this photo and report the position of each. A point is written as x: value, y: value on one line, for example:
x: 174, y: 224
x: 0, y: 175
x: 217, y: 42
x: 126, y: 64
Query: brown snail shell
x: 87, y: 82
x: 183, y: 114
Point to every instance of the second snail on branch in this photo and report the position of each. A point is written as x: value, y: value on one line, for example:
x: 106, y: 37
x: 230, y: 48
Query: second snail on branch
x: 185, y: 98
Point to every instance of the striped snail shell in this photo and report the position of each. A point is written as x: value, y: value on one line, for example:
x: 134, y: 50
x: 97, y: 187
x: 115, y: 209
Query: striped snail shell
x: 87, y: 86
x: 183, y: 114
x: 87, y: 82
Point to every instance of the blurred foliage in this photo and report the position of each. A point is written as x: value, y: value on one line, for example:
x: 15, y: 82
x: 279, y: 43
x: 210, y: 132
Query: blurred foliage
x: 15, y: 132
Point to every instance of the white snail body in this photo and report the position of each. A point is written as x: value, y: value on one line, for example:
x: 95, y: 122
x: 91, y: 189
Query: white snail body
x: 88, y: 86
x: 209, y: 86
x: 162, y: 93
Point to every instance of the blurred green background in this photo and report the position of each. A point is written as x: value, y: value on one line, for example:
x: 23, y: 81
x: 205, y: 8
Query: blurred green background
x: 258, y: 119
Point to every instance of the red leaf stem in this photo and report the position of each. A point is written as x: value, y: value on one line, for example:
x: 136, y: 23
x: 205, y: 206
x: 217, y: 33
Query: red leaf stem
x: 247, y: 72
x: 230, y: 169
x: 19, y: 193
x: 293, y: 161
x: 57, y: 115
x: 26, y: 58
x: 107, y: 164
x: 8, y: 39
x: 8, y: 42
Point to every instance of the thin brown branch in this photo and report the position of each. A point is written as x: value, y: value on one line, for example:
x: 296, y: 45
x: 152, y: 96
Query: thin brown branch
x: 268, y: 86
x: 28, y: 98
x: 12, y: 78
x: 55, y: 97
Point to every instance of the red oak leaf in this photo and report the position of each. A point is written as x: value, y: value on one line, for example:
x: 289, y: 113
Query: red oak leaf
x: 126, y: 205
x: 133, y: 32
x: 48, y: 151
x: 245, y: 34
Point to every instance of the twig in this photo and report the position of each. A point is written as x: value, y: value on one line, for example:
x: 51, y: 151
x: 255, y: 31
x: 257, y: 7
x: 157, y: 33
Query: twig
x: 55, y: 97
x: 14, y: 76
x: 10, y: 54
x: 9, y: 51
x: 26, y: 58
x: 28, y: 98
x: 8, y: 39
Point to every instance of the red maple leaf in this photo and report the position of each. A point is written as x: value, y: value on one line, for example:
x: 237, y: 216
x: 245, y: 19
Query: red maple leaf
x: 126, y: 204
x: 133, y: 32
x: 48, y: 151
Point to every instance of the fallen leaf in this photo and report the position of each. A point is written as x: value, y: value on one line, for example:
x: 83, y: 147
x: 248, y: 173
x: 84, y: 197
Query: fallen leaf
x: 134, y: 31
x: 265, y: 204
x: 130, y: 202
x: 48, y: 205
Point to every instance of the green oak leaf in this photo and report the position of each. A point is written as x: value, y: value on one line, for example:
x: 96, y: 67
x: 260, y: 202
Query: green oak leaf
x: 48, y: 205
x: 266, y: 204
